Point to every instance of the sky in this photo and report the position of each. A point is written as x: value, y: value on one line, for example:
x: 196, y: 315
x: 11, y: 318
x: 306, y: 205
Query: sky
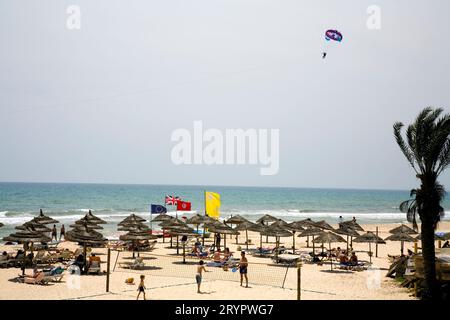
x: 99, y: 104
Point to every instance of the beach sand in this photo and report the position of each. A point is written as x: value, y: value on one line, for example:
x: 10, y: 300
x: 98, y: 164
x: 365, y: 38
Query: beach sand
x: 168, y: 278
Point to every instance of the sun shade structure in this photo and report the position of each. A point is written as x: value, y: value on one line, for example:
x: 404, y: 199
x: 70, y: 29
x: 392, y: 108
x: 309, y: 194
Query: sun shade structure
x: 267, y: 218
x: 347, y: 231
x: 403, y: 229
x: 35, y: 226
x: 162, y: 217
x: 323, y: 225
x: 132, y: 218
x: 328, y: 237
x: 85, y: 236
x: 90, y: 217
x: 351, y: 224
x: 369, y: 237
x: 311, y: 232
x: 42, y: 218
x: 277, y: 232
x: 27, y: 236
x: 247, y: 225
x: 237, y: 219
x: 81, y: 223
x: 402, y: 237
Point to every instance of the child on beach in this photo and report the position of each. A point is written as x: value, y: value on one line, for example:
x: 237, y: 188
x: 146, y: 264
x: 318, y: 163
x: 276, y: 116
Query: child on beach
x: 243, y: 264
x: 141, y: 288
x: 198, y: 276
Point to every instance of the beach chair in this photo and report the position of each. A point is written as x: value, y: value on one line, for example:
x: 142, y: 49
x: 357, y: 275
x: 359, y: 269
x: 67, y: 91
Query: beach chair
x: 55, y: 275
x: 94, y: 267
x: 138, y: 263
x: 37, y: 259
x: 39, y: 279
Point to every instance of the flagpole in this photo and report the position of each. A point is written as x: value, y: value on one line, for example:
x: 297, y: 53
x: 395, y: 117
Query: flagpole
x: 203, y: 235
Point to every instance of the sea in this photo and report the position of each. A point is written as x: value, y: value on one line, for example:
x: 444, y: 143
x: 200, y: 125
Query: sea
x: 67, y: 202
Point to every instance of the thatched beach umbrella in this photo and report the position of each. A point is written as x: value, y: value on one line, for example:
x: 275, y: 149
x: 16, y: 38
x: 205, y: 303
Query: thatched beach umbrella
x: 266, y: 219
x: 347, y: 231
x: 197, y: 220
x: 323, y: 225
x: 247, y: 225
x: 351, y: 224
x: 180, y: 230
x: 402, y: 237
x: 171, y: 224
x: 42, y: 218
x: 294, y: 227
x: 132, y: 218
x: 35, y: 226
x: 136, y: 235
x: 402, y: 229
x: 85, y: 236
x: 236, y: 220
x: 311, y: 232
x: 369, y: 237
x: 162, y: 217
x: 306, y: 223
x: 224, y: 229
x: 90, y: 217
x: 329, y: 237
x: 86, y: 222
x: 27, y: 236
x: 277, y: 232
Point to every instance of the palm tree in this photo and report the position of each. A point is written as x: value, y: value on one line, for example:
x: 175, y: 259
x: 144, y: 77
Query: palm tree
x: 427, y: 149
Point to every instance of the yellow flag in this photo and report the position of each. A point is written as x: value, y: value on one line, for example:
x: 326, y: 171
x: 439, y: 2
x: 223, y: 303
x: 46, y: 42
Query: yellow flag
x: 212, y: 204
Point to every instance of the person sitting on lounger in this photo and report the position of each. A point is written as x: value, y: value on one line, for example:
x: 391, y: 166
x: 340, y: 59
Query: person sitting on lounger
x: 226, y: 255
x: 343, y: 259
x: 446, y: 244
x: 93, y: 258
x: 216, y: 256
x: 353, y: 259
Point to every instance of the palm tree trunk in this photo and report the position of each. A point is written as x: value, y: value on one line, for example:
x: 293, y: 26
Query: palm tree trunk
x: 429, y: 264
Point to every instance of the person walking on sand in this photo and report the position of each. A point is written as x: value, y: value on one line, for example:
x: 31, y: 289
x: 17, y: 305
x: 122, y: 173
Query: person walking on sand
x: 141, y: 288
x: 243, y: 264
x: 62, y: 233
x: 198, y: 275
x: 54, y: 233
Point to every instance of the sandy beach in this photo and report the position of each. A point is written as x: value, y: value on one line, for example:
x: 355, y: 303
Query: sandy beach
x: 168, y: 278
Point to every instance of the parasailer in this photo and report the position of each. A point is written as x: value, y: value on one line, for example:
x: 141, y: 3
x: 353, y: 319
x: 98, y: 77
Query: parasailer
x: 332, y: 35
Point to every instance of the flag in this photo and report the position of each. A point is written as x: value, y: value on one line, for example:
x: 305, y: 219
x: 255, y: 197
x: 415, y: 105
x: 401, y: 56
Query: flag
x: 171, y: 200
x: 157, y: 208
x: 183, y: 206
x: 212, y: 204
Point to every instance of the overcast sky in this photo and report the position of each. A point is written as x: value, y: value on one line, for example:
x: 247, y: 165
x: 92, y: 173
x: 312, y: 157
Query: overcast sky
x: 99, y: 104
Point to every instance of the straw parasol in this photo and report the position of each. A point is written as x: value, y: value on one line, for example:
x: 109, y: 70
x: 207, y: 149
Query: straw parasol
x: 85, y: 235
x: 180, y: 230
x: 347, y: 231
x: 247, y: 225
x: 402, y: 237
x: 27, y: 236
x: 36, y: 226
x: 136, y: 235
x: 162, y: 217
x: 89, y: 216
x: 42, y: 218
x: 352, y: 224
x: 323, y: 225
x: 266, y: 219
x: 236, y: 220
x: 132, y: 218
x: 329, y: 237
x: 171, y: 224
x: 197, y: 220
x: 403, y: 229
x: 369, y: 237
x: 224, y: 229
x: 277, y: 232
x: 311, y: 232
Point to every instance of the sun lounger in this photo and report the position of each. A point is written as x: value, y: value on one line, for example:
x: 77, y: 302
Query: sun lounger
x: 94, y: 267
x: 138, y: 263
x: 55, y: 275
x: 38, y: 279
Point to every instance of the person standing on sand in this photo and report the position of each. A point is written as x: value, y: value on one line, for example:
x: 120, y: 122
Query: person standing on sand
x: 243, y: 264
x: 141, y: 287
x: 54, y: 233
x: 198, y: 275
x: 62, y: 233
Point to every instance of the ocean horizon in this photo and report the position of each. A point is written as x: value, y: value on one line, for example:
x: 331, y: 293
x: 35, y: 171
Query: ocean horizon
x: 67, y: 202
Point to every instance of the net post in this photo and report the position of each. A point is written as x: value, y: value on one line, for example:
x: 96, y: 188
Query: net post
x: 299, y: 280
x: 107, y: 269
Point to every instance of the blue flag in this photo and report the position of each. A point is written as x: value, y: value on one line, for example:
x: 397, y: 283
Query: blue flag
x: 157, y: 208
